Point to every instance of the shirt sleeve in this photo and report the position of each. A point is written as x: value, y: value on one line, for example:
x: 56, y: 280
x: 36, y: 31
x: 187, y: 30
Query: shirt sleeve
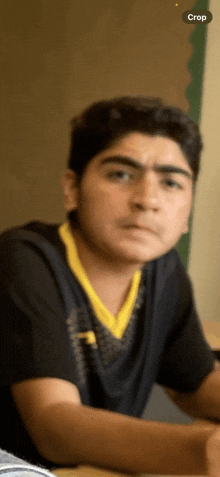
x: 14, y: 467
x: 187, y: 358
x: 33, y: 337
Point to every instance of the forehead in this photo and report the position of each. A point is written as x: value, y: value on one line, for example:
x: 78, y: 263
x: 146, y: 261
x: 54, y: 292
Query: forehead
x: 147, y: 149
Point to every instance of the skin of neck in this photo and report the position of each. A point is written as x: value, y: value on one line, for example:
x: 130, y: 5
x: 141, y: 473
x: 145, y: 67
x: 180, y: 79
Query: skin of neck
x: 110, y: 279
x: 99, y: 264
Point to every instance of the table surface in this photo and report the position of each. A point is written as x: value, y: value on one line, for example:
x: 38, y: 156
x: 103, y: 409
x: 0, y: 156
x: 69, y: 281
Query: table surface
x: 212, y: 333
x: 84, y: 471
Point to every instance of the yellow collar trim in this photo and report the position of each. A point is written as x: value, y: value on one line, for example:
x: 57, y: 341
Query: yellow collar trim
x: 116, y: 325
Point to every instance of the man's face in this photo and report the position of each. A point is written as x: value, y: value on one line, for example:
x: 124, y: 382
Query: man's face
x: 134, y: 200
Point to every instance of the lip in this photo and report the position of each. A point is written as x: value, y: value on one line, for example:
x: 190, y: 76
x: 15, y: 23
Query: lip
x: 140, y: 227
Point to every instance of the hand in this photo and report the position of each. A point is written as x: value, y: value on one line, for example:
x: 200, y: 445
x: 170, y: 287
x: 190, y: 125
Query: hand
x: 213, y: 454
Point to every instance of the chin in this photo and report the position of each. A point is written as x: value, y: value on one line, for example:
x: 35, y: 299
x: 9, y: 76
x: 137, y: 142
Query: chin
x: 141, y: 251
x: 142, y: 258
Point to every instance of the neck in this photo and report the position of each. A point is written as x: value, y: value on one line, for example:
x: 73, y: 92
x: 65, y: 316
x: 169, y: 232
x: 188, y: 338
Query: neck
x: 111, y: 281
x: 99, y: 264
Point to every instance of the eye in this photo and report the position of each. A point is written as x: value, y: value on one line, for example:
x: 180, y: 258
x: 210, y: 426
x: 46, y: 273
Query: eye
x: 120, y: 175
x: 172, y: 184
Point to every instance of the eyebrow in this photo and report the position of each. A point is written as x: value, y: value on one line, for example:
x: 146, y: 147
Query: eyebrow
x: 163, y: 168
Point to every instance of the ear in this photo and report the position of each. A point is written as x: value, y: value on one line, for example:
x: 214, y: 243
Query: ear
x: 70, y: 190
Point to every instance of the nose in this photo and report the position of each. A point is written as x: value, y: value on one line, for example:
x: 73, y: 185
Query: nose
x: 145, y: 194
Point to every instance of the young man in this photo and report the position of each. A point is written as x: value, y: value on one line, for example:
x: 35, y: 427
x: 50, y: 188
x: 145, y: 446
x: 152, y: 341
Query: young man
x: 95, y: 310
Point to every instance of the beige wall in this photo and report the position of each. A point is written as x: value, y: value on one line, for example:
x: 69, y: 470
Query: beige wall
x: 60, y: 55
x: 204, y: 264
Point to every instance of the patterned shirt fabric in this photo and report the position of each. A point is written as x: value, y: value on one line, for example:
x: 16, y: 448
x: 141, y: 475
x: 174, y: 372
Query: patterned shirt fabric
x: 48, y: 328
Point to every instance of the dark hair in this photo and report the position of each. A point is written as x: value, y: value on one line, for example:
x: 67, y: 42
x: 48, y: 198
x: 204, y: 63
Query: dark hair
x: 105, y: 122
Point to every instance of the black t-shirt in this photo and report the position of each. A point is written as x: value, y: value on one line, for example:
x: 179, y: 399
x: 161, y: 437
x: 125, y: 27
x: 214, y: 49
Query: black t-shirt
x: 45, y: 313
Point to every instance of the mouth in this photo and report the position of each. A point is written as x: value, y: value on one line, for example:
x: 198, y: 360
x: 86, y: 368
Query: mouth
x: 140, y: 228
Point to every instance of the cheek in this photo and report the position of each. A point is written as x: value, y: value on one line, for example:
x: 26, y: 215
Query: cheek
x: 101, y: 199
x: 95, y: 205
x: 180, y: 215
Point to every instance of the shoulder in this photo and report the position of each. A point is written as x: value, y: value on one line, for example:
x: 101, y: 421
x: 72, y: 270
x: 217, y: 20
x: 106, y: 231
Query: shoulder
x: 19, y: 232
x: 24, y: 262
x: 21, y: 242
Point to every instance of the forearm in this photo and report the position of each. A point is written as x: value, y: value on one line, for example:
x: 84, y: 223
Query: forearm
x: 89, y: 436
x: 204, y: 403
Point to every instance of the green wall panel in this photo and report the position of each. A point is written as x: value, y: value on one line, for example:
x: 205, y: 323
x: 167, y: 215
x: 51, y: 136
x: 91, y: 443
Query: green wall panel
x: 194, y: 97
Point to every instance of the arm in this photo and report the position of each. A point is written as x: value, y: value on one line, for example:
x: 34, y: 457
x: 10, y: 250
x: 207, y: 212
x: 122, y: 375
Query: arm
x: 205, y: 402
x: 69, y: 433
